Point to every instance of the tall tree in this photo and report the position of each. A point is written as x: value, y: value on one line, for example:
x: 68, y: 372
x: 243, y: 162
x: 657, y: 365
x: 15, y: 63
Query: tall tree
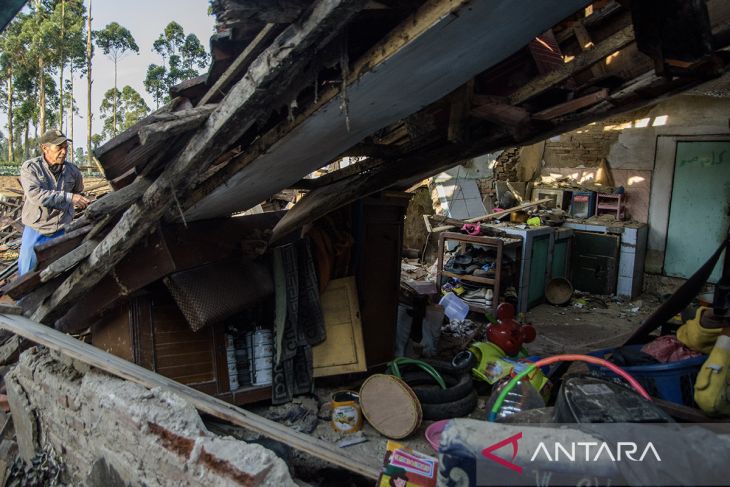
x: 89, y: 55
x: 154, y: 83
x: 181, y: 55
x: 115, y: 42
x: 128, y: 109
x: 67, y: 47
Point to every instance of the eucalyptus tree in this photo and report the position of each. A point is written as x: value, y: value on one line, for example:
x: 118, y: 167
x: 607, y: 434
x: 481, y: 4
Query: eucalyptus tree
x: 115, y: 42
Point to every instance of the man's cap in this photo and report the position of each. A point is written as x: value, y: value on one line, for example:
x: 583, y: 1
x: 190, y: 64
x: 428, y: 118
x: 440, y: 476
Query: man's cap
x: 53, y: 137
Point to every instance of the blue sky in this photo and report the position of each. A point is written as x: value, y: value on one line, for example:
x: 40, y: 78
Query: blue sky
x: 146, y: 20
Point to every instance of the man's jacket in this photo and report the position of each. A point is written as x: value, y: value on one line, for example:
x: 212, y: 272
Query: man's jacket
x: 48, y: 205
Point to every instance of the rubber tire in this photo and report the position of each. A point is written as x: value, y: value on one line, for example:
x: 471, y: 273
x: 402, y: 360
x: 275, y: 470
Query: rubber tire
x: 428, y: 392
x: 441, y: 366
x: 456, y: 409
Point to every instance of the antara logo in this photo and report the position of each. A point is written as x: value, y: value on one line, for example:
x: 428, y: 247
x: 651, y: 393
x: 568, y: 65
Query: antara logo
x: 581, y: 451
x: 512, y: 440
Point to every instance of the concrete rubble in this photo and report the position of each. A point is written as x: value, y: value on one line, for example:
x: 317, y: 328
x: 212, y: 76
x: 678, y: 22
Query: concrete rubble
x: 113, y: 432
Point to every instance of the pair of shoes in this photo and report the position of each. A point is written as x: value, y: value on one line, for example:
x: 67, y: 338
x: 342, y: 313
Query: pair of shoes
x: 489, y: 298
x: 712, y: 387
x: 475, y: 296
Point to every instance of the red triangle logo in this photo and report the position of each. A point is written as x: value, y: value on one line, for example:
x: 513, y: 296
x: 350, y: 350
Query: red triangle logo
x: 512, y: 440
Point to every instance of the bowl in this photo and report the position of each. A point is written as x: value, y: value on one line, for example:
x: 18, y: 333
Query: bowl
x: 558, y: 291
x: 433, y: 433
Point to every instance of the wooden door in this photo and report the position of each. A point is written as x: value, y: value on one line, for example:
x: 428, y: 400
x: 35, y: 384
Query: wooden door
x: 699, y: 212
x: 343, y: 351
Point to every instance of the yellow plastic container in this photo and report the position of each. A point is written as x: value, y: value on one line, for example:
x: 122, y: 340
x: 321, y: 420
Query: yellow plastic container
x: 346, y: 412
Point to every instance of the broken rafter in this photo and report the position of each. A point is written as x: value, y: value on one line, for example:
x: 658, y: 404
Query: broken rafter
x: 118, y: 200
x: 248, y: 101
x: 242, y: 62
x: 582, y: 61
x: 352, y: 169
x: 174, y: 124
x: 498, y: 110
x: 323, y: 200
x: 571, y: 106
x: 119, y: 367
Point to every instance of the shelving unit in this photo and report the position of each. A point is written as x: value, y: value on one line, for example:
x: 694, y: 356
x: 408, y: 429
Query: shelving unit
x: 498, y: 243
x: 610, y: 204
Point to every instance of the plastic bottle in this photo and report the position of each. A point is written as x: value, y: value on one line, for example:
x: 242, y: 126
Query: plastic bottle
x: 454, y: 307
x: 522, y: 397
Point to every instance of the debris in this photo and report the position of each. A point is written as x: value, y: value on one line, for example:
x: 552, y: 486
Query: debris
x: 353, y: 439
x: 301, y: 414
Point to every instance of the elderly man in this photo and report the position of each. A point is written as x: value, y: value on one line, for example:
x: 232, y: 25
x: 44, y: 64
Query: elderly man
x: 52, y: 188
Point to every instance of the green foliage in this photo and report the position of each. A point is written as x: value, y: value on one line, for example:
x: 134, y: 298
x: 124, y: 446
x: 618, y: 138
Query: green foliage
x: 182, y: 56
x: 130, y: 105
x: 96, y: 141
x: 154, y: 83
x: 115, y: 41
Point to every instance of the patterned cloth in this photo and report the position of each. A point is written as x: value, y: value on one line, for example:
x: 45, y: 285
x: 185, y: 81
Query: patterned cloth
x: 298, y: 322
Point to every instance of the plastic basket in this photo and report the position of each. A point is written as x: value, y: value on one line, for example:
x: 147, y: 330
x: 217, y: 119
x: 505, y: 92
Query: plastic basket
x: 672, y: 382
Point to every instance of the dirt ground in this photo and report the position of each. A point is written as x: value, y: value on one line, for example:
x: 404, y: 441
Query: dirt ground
x: 581, y: 327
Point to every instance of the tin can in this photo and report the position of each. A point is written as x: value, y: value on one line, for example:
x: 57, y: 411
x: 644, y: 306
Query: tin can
x: 346, y: 413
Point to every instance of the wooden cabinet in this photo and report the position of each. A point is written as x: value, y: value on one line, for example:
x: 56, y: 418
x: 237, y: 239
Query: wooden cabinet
x: 379, y: 243
x: 150, y: 331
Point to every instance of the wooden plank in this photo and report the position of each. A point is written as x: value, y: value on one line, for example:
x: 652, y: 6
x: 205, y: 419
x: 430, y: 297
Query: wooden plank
x: 344, y: 350
x: 572, y: 105
x: 357, y: 168
x: 117, y: 200
x: 24, y: 284
x: 174, y: 124
x: 582, y: 61
x: 67, y: 261
x: 245, y: 104
x: 242, y: 62
x: 490, y: 216
x: 501, y: 113
x: 116, y: 366
x: 586, y: 44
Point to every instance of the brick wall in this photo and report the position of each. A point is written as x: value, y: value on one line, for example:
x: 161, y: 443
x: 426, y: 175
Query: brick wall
x: 104, y: 426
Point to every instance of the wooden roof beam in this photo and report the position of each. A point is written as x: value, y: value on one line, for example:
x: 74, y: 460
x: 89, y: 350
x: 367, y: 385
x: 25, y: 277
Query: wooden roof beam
x: 585, y: 60
x: 247, y: 102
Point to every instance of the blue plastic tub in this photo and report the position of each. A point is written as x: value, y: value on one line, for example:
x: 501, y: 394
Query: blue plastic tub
x: 672, y: 382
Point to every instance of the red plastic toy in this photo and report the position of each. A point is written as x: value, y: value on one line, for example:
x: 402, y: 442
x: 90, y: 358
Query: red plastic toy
x: 508, y: 334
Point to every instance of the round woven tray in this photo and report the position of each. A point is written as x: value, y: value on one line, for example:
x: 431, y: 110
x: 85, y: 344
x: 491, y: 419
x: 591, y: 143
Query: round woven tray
x: 390, y: 406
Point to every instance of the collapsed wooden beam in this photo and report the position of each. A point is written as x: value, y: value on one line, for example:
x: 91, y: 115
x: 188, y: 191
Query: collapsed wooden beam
x: 240, y: 64
x: 322, y: 201
x: 572, y: 105
x: 118, y: 367
x: 582, y: 61
x: 248, y: 101
x: 419, y: 54
x: 174, y: 124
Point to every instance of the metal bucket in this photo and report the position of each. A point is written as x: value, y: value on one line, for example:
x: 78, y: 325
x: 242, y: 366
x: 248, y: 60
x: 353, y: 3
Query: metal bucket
x: 346, y: 413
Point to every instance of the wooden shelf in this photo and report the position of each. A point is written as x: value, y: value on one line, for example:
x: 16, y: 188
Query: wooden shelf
x: 469, y: 277
x: 499, y: 244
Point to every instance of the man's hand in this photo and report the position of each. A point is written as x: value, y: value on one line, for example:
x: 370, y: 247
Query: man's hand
x: 80, y: 202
